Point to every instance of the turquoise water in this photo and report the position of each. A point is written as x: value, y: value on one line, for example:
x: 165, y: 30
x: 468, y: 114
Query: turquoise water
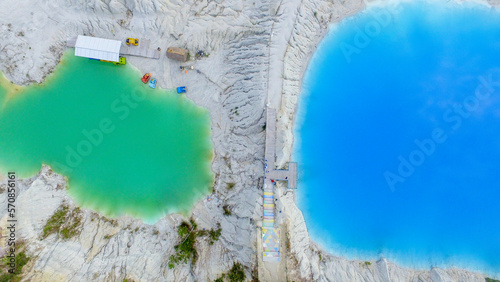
x: 125, y: 148
x: 399, y: 136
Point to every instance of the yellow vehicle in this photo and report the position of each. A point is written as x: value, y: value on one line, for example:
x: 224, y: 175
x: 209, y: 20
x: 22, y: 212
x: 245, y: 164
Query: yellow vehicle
x: 133, y: 41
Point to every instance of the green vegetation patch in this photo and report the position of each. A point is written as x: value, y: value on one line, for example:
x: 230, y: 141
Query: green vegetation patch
x: 186, y: 249
x: 65, y: 222
x: 214, y: 235
x: 227, y: 210
x: 491, y: 280
x: 21, y: 260
x: 235, y: 274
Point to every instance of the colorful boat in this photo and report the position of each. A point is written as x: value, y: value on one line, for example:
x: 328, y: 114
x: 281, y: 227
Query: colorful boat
x: 181, y: 89
x: 146, y: 78
x: 152, y: 83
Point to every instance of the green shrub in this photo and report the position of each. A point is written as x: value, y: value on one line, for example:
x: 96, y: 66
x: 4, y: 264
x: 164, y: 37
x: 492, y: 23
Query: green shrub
x: 55, y: 221
x: 185, y: 250
x: 64, y: 222
x: 21, y: 260
x: 7, y: 277
x: 214, y: 234
x: 236, y: 274
x: 227, y: 210
x: 188, y: 233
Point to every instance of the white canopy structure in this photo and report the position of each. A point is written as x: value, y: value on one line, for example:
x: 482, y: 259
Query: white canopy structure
x: 98, y: 48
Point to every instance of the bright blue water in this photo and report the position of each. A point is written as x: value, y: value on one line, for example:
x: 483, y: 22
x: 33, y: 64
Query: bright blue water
x: 366, y: 106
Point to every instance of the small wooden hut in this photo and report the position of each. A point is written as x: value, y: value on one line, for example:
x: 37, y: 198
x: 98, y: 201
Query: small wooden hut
x: 178, y: 54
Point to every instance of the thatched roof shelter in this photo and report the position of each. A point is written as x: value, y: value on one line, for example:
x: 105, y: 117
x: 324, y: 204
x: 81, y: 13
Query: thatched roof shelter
x: 178, y: 54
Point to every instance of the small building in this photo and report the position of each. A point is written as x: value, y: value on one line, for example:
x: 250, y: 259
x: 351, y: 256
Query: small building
x: 98, y: 48
x: 178, y: 54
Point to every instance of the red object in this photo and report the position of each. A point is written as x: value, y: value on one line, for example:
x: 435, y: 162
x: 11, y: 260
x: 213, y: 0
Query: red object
x: 146, y: 78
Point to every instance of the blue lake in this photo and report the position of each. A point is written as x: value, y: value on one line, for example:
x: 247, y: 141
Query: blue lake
x: 398, y: 136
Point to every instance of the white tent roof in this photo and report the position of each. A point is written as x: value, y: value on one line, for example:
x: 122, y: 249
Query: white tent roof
x: 97, y: 48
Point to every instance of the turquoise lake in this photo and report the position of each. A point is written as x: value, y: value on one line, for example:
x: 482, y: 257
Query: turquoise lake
x: 126, y: 149
x: 398, y: 136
